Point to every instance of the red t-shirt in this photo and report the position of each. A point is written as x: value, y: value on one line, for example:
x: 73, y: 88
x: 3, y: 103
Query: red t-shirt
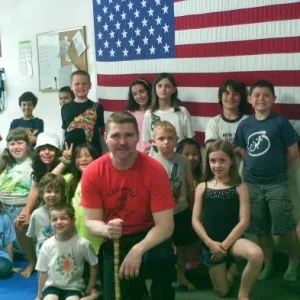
x: 132, y: 195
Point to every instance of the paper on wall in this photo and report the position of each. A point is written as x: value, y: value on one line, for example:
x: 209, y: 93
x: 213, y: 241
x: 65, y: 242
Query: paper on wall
x: 79, y: 43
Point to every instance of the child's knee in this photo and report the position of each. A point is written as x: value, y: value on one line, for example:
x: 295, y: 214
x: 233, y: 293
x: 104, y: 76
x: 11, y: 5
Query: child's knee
x: 256, y: 255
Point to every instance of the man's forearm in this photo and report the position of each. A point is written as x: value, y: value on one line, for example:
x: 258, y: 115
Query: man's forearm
x: 96, y: 227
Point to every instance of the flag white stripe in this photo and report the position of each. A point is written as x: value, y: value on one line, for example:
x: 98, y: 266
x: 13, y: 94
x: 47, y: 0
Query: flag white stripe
x: 264, y: 62
x: 197, y: 7
x: 287, y: 95
x: 244, y: 32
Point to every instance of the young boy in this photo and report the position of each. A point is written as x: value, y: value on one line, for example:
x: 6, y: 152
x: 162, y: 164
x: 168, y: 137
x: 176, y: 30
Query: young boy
x: 270, y: 145
x: 62, y: 257
x: 33, y: 125
x: 51, y: 192
x: 181, y: 179
x: 82, y: 114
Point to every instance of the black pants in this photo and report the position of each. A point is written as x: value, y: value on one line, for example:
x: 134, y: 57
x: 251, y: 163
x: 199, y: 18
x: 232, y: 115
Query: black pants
x: 158, y: 264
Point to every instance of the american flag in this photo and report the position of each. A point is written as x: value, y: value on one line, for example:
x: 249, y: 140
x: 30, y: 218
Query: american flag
x: 202, y: 43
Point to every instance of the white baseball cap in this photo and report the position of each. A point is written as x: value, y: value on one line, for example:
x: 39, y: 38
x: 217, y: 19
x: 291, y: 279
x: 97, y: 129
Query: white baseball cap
x: 47, y: 138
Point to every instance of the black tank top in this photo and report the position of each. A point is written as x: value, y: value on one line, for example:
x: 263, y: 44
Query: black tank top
x: 220, y: 212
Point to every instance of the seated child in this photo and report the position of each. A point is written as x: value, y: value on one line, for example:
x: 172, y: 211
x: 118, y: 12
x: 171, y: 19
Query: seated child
x: 51, y: 192
x: 33, y: 125
x: 7, y: 236
x: 65, y: 95
x: 62, y: 257
x: 181, y: 178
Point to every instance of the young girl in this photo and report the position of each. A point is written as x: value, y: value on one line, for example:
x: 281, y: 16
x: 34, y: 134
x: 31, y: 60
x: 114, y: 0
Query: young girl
x: 165, y: 107
x: 139, y: 99
x: 15, y: 175
x: 232, y: 96
x: 65, y: 95
x: 7, y: 237
x: 45, y: 159
x: 220, y: 217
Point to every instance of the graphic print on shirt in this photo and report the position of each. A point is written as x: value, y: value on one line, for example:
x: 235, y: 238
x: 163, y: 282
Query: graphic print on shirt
x: 65, y: 266
x: 228, y: 136
x: 175, y: 182
x: 46, y: 233
x: 258, y: 143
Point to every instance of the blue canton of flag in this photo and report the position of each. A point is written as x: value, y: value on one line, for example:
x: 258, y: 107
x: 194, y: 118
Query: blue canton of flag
x: 134, y: 29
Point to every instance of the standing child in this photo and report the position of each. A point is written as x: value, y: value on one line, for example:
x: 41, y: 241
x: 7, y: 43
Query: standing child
x: 51, y: 192
x: 139, y: 99
x: 220, y: 217
x: 33, y: 125
x: 45, y: 158
x: 83, y: 115
x: 165, y: 108
x: 270, y: 142
x: 7, y: 237
x: 232, y: 96
x: 181, y: 178
x: 65, y: 95
x: 62, y: 257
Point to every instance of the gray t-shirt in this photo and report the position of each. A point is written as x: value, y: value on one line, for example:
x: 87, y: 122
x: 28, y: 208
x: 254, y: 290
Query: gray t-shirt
x: 177, y: 171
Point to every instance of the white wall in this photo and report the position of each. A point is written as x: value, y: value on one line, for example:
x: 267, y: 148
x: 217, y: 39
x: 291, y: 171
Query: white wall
x: 21, y: 20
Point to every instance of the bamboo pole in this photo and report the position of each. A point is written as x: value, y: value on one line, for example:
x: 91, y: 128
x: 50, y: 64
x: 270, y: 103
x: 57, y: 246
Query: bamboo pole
x: 117, y: 269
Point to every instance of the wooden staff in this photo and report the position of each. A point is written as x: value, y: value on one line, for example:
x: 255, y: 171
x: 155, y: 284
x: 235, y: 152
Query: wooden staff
x: 117, y: 269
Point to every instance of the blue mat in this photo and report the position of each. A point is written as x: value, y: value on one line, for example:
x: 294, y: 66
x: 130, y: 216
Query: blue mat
x: 18, y: 288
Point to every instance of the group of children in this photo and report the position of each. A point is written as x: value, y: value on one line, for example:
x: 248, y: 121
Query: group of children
x: 213, y: 205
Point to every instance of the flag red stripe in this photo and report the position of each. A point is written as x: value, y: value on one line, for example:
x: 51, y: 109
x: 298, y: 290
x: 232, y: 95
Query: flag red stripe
x: 279, y: 12
x: 290, y: 111
x: 234, y: 48
x: 199, y: 136
x: 278, y: 78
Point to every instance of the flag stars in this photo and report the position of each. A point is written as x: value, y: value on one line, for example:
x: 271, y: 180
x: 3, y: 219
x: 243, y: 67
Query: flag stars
x: 110, y: 1
x: 159, y: 40
x: 138, y: 50
x: 166, y: 47
x: 117, y: 7
x: 98, y: 2
x: 105, y: 27
x: 118, y: 42
x: 151, y: 30
x: 125, y: 52
x: 143, y: 3
x: 137, y: 13
x: 138, y: 32
x: 150, y: 12
x: 112, y: 53
x: 112, y: 34
x: 145, y: 40
x: 124, y: 34
x: 166, y: 28
x: 123, y: 15
x: 100, y: 52
x: 165, y: 9
x: 111, y: 17
x: 131, y: 42
x: 105, y: 8
x: 130, y: 24
x: 158, y: 20
x: 99, y: 35
x: 118, y: 26
x: 99, y: 19
x: 130, y: 5
x: 144, y: 22
x: 152, y: 50
x: 157, y: 2
x: 106, y: 44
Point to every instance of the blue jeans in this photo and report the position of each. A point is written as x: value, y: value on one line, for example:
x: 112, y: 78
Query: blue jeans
x: 5, y: 267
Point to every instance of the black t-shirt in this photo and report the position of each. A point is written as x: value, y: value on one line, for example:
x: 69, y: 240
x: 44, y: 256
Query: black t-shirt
x: 74, y: 109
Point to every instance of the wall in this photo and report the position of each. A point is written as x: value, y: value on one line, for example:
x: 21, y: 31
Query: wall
x: 21, y: 20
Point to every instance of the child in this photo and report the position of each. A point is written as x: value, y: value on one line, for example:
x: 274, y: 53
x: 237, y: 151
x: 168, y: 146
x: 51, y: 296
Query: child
x: 33, y: 125
x: 139, y: 99
x: 220, y: 217
x: 7, y: 237
x: 62, y: 257
x: 45, y: 158
x: 82, y: 156
x: 181, y: 178
x: 165, y: 108
x: 51, y: 192
x: 192, y: 150
x: 65, y: 95
x: 83, y: 114
x: 271, y: 144
x: 232, y: 96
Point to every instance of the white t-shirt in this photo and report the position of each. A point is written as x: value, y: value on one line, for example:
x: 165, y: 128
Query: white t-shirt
x: 220, y: 128
x: 180, y: 119
x: 64, y: 262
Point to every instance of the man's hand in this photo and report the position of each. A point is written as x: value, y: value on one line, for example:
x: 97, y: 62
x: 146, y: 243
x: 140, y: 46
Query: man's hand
x: 22, y: 220
x: 114, y: 229
x: 130, y: 267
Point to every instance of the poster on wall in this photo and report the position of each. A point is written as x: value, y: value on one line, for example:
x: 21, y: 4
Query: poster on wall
x: 0, y: 44
x: 25, y: 59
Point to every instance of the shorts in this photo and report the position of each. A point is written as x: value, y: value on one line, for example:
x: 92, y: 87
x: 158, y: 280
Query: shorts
x: 271, y: 208
x: 60, y: 293
x: 184, y: 233
x: 206, y: 258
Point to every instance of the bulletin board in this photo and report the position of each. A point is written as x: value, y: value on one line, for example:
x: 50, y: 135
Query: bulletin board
x: 60, y: 53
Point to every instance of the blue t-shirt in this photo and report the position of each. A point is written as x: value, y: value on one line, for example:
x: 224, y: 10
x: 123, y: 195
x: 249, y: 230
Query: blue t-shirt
x: 266, y: 142
x: 33, y: 124
x: 7, y: 234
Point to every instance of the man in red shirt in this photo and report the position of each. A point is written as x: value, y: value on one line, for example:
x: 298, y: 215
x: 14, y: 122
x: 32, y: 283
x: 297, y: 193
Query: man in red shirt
x: 126, y: 195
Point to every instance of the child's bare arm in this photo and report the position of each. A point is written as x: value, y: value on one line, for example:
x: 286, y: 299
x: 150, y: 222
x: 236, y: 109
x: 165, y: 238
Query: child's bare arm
x: 190, y: 186
x: 92, y: 280
x: 42, y: 280
x: 292, y: 154
x: 240, y: 228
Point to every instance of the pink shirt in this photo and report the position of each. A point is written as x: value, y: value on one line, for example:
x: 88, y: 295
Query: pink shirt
x: 141, y: 146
